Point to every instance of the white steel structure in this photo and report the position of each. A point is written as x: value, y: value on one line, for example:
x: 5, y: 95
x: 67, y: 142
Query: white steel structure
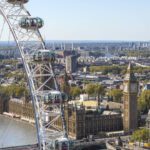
x: 41, y: 78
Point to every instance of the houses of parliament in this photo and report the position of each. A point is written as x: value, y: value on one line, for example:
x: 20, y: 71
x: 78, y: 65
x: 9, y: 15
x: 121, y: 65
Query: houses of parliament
x: 81, y: 122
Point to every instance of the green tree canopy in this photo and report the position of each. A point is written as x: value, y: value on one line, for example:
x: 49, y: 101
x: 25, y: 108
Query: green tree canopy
x: 75, y: 91
x: 95, y: 90
x: 116, y: 94
x: 144, y: 101
x: 116, y: 69
x: 14, y: 90
x: 140, y: 135
x: 90, y: 89
x: 4, y: 95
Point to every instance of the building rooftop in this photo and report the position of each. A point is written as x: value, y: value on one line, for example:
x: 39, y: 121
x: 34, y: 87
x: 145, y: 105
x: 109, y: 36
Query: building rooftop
x: 108, y: 112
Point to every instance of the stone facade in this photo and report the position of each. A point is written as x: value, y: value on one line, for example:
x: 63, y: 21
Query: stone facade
x: 130, y: 101
x: 17, y: 107
x: 21, y: 108
x: 81, y: 124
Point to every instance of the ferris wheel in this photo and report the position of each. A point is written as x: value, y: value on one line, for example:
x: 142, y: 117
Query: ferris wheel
x: 38, y: 62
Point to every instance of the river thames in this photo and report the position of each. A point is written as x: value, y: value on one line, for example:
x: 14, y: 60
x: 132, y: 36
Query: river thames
x: 16, y: 133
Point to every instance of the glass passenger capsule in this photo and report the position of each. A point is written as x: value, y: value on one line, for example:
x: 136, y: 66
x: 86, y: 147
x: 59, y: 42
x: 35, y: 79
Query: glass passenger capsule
x: 43, y: 55
x: 30, y: 23
x: 62, y: 144
x: 17, y: 2
x: 55, y: 97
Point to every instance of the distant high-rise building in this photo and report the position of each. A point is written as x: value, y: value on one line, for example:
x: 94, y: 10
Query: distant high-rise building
x: 71, y: 64
x: 130, y: 101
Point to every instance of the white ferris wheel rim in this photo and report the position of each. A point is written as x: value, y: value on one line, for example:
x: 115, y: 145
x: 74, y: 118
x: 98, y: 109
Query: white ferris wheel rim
x: 12, y: 13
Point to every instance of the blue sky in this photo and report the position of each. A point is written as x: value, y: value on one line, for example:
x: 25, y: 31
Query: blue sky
x: 93, y: 19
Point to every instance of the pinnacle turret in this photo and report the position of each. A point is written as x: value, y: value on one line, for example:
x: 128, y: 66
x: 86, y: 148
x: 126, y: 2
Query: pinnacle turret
x: 130, y: 75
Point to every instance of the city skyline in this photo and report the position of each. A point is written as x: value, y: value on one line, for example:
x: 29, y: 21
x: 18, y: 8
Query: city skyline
x: 93, y: 20
x: 77, y: 92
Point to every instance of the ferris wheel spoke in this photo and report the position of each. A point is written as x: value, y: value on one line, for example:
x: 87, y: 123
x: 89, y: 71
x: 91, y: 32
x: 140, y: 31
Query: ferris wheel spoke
x: 46, y: 96
x: 1, y: 32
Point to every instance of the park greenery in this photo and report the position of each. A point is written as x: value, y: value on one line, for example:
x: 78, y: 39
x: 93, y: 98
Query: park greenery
x: 135, y: 53
x: 131, y: 53
x: 140, y: 135
x: 95, y: 90
x: 117, y: 69
x: 75, y: 91
x: 4, y: 95
x: 92, y: 89
x: 144, y: 101
x: 107, y: 69
x: 115, y: 95
x: 13, y: 90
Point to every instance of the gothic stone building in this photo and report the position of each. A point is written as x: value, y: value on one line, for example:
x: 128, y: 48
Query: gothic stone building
x: 21, y: 108
x: 82, y: 123
x: 130, y: 101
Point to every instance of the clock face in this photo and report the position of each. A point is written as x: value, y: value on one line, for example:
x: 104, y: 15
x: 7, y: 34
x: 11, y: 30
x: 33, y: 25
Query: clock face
x: 134, y: 87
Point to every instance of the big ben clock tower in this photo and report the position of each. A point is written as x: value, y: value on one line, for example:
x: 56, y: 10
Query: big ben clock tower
x: 130, y: 92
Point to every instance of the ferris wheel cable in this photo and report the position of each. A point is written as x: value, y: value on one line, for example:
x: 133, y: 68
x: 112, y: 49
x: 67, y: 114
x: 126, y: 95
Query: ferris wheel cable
x: 43, y: 43
x: 31, y: 83
x: 62, y: 110
x: 27, y: 68
x: 9, y: 37
x: 1, y: 33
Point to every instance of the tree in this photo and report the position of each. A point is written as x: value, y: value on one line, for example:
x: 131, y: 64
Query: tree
x: 95, y: 90
x: 4, y: 98
x: 4, y: 95
x: 99, y: 91
x: 65, y: 88
x: 90, y: 89
x: 116, y: 94
x: 144, y: 101
x: 75, y: 91
x: 140, y: 135
x: 15, y: 90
